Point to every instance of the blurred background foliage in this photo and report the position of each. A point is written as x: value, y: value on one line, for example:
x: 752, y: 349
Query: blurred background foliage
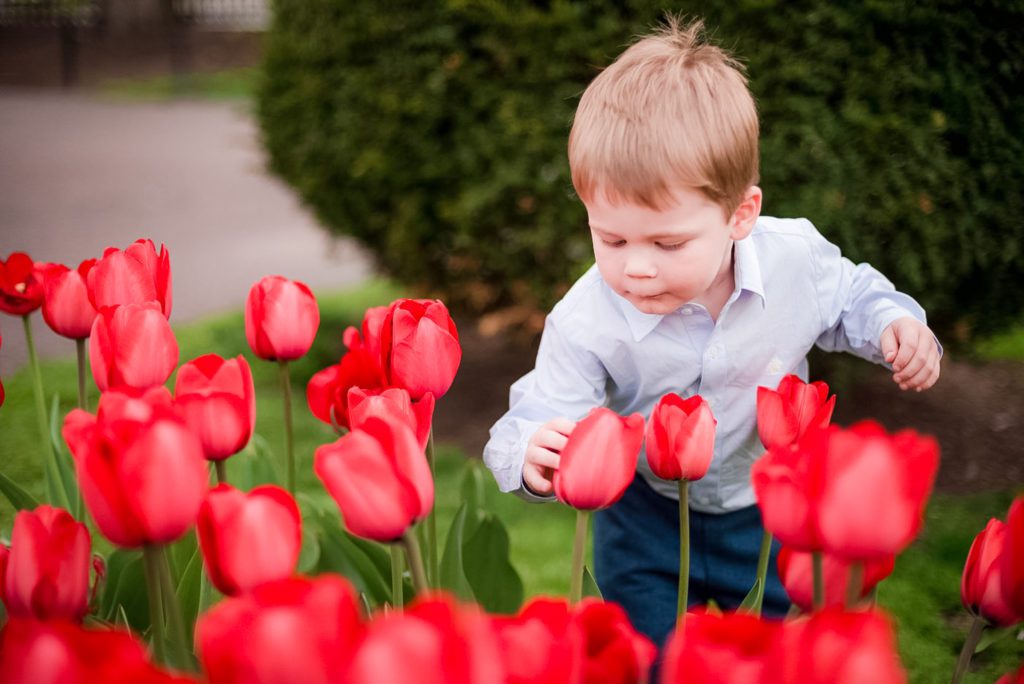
x: 435, y: 132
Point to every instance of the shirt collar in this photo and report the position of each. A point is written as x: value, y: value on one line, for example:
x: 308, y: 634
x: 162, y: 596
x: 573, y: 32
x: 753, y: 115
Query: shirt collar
x: 748, y: 277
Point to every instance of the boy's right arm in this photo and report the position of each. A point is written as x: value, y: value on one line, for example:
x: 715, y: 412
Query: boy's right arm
x: 566, y: 383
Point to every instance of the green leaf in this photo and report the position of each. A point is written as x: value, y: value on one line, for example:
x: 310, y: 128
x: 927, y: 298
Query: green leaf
x: 993, y: 635
x: 188, y: 591
x: 309, y: 554
x: 754, y: 598
x: 61, y: 488
x: 590, y: 587
x: 339, y: 553
x: 472, y: 487
x: 19, y: 498
x: 495, y: 583
x: 254, y: 465
x: 453, y: 577
x: 124, y: 596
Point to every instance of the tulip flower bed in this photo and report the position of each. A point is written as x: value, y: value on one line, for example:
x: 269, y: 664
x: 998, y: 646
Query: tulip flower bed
x: 475, y: 559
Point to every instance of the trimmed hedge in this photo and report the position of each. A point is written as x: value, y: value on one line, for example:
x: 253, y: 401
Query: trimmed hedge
x: 435, y: 132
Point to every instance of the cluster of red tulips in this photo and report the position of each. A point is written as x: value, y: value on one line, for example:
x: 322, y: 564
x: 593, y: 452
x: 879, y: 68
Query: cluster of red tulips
x: 844, y: 503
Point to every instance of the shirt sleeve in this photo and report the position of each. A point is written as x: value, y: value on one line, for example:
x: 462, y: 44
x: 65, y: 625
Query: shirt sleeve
x: 855, y: 301
x: 567, y: 380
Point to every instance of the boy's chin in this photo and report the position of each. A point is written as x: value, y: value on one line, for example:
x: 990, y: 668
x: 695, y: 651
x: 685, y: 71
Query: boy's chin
x: 662, y: 304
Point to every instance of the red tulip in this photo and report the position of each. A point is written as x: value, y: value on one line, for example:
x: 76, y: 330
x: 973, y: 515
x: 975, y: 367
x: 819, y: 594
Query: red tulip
x: 981, y: 585
x: 434, y: 641
x: 293, y: 630
x: 379, y: 477
x: 680, y: 438
x: 48, y: 568
x: 60, y: 652
x: 836, y: 647
x: 1013, y: 677
x: 249, y: 539
x: 281, y: 319
x: 133, y: 276
x: 615, y: 652
x: 858, y: 493
x: 786, y: 414
x: 1012, y: 571
x: 734, y: 648
x: 795, y: 570
x: 542, y: 644
x: 327, y: 391
x: 21, y: 285
x: 392, y: 404
x: 419, y: 347
x: 132, y: 345
x: 218, y: 401
x: 66, y: 306
x: 140, y: 468
x: 598, y: 462
x: 5, y: 554
x: 372, y: 328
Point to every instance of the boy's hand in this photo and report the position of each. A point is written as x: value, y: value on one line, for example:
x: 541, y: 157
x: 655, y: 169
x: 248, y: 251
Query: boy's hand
x: 909, y: 345
x: 542, y: 454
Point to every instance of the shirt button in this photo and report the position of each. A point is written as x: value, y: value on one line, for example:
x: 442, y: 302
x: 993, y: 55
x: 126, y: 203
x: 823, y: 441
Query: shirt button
x: 713, y: 351
x: 686, y: 311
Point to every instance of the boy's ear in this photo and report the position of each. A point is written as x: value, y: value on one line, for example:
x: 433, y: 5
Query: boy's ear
x: 745, y: 216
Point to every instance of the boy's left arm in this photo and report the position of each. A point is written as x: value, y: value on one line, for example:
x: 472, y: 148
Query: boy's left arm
x: 864, y: 314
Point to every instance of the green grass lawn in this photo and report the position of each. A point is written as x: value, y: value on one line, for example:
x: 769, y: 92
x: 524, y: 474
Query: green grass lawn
x: 228, y: 84
x: 922, y: 595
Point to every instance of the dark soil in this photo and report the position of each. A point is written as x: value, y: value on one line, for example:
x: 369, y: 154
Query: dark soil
x: 976, y: 410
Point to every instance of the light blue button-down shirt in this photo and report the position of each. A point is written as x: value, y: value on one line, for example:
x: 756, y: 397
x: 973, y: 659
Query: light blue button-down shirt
x: 793, y: 290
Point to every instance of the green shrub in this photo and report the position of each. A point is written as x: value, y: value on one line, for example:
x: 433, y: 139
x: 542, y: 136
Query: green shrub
x: 435, y: 132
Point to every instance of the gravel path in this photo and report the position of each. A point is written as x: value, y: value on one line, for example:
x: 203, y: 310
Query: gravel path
x: 78, y: 174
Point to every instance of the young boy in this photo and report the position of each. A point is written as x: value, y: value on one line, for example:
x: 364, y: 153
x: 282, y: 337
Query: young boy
x: 692, y: 292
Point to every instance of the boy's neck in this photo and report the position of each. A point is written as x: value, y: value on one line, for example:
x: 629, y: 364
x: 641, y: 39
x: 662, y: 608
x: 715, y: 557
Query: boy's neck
x: 721, y: 289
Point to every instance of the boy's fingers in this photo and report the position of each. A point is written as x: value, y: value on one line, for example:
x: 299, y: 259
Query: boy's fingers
x: 542, y: 458
x: 562, y: 425
x: 912, y: 369
x: 925, y: 377
x: 536, y: 482
x: 907, y: 348
x: 888, y: 344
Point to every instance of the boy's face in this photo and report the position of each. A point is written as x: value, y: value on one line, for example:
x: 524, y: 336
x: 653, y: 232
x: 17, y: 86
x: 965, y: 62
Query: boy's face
x: 660, y: 260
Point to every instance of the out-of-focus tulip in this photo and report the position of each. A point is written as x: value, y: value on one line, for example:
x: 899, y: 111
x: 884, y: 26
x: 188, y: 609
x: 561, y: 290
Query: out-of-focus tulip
x: 981, y: 584
x: 132, y: 345
x: 5, y: 554
x: 392, y: 404
x: 372, y: 327
x: 141, y: 470
x: 217, y: 398
x: 541, y: 644
x: 434, y: 641
x: 66, y: 306
x: 48, y: 568
x: 1013, y: 677
x: 419, y: 347
x: 327, y: 391
x: 599, y: 460
x: 281, y: 319
x: 615, y: 652
x: 784, y: 415
x: 680, y: 438
x: 249, y: 539
x: 837, y: 647
x: 806, y: 494
x: 796, y: 573
x: 293, y: 630
x: 1012, y: 572
x: 133, y: 276
x: 379, y: 477
x: 60, y: 652
x: 733, y: 648
x: 21, y: 285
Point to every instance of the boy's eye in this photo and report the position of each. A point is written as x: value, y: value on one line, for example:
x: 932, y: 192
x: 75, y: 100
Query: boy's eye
x: 671, y: 246
x: 614, y: 243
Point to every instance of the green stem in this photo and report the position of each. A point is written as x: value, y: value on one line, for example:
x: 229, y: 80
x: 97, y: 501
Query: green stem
x: 432, y: 559
x: 286, y: 389
x: 819, y: 580
x: 173, y: 609
x: 684, y: 551
x: 396, y: 578
x: 55, y: 483
x: 222, y: 471
x: 412, y: 554
x: 854, y: 584
x: 578, y: 549
x: 151, y: 561
x: 973, y: 637
x: 762, y: 568
x: 83, y: 397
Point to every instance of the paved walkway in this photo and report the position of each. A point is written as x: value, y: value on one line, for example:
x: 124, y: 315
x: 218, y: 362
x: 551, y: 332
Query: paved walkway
x: 78, y: 174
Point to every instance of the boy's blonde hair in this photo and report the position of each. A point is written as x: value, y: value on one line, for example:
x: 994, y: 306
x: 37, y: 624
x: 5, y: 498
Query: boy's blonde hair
x: 671, y: 111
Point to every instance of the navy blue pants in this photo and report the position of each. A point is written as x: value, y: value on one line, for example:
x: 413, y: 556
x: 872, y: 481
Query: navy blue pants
x: 636, y: 559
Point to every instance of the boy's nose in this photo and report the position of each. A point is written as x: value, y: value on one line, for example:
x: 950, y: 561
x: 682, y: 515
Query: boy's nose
x: 637, y: 267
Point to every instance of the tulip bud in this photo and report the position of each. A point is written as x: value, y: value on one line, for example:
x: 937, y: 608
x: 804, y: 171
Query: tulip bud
x: 21, y: 285
x: 981, y: 584
x: 680, y: 438
x: 392, y: 404
x: 784, y: 415
x: 218, y: 401
x: 796, y: 573
x: 1012, y: 570
x: 281, y: 319
x: 133, y: 276
x: 66, y: 307
x: 599, y: 460
x: 419, y: 347
x: 734, y: 648
x: 132, y: 345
